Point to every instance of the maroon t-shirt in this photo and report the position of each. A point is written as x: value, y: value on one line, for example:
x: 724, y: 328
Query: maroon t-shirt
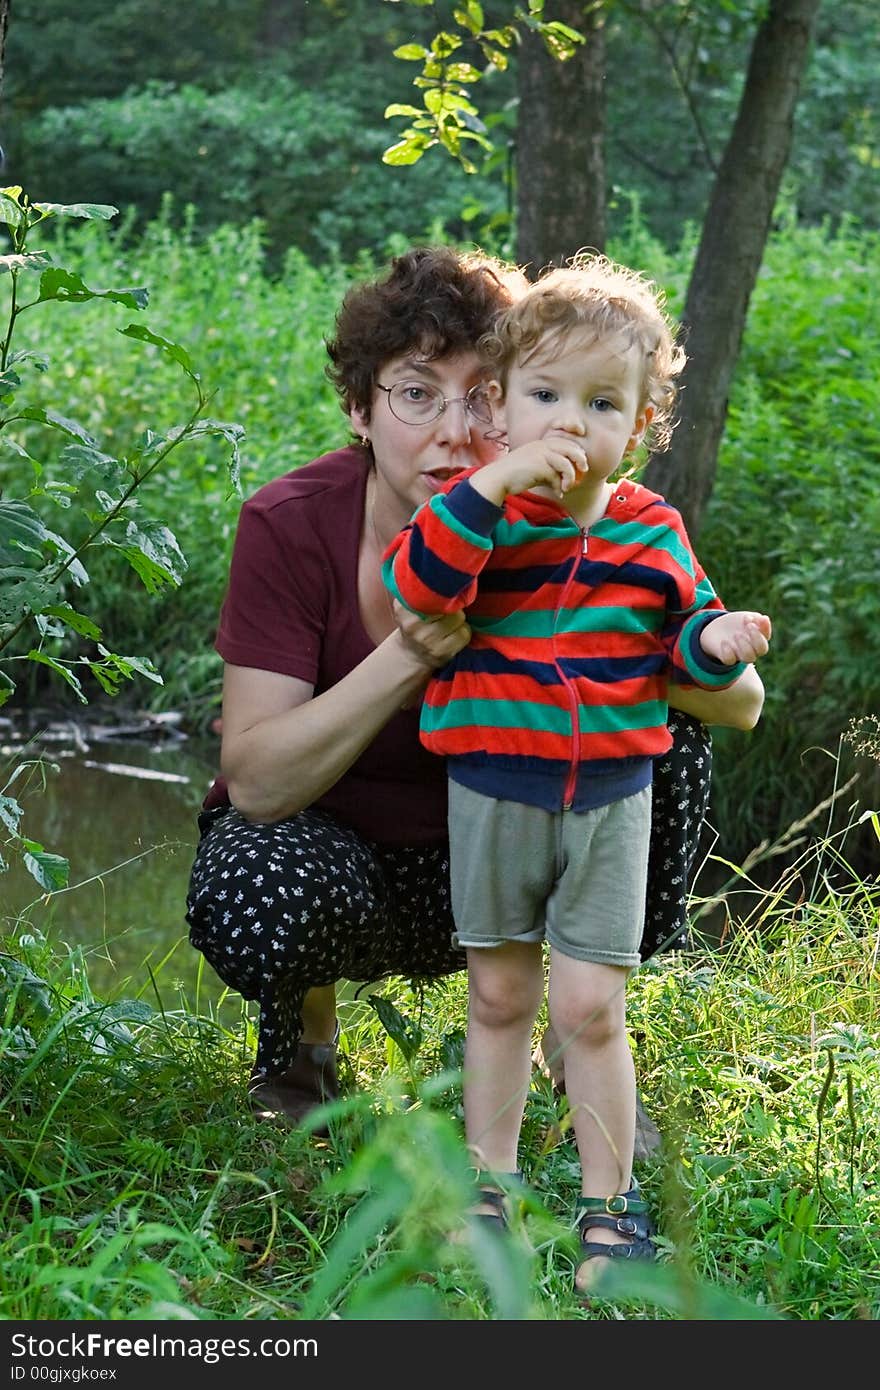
x: 292, y: 607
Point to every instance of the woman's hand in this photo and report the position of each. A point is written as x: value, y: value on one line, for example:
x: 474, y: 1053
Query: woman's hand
x: 431, y: 641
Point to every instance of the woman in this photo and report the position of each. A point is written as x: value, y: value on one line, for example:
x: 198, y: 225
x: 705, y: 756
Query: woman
x: 323, y: 851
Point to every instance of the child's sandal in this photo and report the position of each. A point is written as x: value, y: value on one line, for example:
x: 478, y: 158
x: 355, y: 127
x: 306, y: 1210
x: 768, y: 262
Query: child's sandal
x: 493, y: 1192
x: 625, y: 1213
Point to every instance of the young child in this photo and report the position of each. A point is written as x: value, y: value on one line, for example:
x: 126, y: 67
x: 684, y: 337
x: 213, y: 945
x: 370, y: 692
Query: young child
x: 584, y: 598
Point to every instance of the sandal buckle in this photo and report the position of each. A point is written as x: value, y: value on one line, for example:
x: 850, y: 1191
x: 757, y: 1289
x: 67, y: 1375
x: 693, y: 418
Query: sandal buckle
x: 617, y: 1205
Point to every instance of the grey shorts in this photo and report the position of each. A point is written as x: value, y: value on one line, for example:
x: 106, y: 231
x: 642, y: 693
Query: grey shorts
x: 573, y: 878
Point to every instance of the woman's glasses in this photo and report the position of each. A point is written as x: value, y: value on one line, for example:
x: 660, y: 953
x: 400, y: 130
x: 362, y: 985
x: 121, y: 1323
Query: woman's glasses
x: 413, y: 403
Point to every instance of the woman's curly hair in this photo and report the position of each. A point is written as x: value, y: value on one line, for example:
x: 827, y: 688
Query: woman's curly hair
x: 432, y: 301
x: 594, y: 297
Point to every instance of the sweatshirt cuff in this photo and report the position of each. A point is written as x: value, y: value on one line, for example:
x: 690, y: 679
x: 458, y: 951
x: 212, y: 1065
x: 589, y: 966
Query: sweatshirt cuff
x: 704, y: 668
x: 471, y: 509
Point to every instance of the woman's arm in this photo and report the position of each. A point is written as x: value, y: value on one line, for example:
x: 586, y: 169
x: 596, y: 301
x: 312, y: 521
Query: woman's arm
x: 736, y: 707
x: 283, y: 747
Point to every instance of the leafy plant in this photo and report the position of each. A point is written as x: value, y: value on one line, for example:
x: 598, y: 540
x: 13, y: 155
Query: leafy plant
x: 41, y: 568
x: 447, y: 116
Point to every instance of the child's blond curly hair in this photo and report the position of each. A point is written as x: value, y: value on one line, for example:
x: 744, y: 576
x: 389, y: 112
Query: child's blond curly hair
x: 594, y: 297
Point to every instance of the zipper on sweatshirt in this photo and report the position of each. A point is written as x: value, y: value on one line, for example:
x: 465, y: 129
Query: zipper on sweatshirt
x: 573, y: 705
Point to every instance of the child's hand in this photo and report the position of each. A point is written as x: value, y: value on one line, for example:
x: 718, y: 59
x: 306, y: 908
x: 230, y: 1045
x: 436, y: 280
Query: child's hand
x: 737, y: 637
x: 556, y: 462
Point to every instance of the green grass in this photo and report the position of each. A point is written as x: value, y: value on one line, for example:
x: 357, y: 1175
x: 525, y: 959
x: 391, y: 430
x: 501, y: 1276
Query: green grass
x: 135, y: 1184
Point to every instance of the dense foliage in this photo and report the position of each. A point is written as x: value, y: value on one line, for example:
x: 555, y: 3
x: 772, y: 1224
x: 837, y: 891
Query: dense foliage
x: 253, y: 109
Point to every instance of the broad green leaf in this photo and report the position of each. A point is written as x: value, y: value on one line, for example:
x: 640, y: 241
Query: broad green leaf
x: 78, y: 622
x: 63, y: 671
x: 407, y: 151
x: 406, y: 1032
x: 79, y: 459
x: 38, y: 359
x: 469, y: 16
x: 93, y: 211
x: 21, y: 529
x: 497, y: 58
x: 145, y: 335
x: 444, y: 43
x: 11, y: 211
x: 57, y: 422
x: 448, y: 102
x: 560, y: 41
x: 29, y: 595
x: 75, y: 569
x: 108, y: 501
x: 67, y: 287
x: 6, y: 442
x: 10, y: 813
x: 462, y: 72
x: 503, y: 37
x: 28, y: 260
x: 411, y: 52
x: 50, y: 870
x: 7, y: 687
x: 399, y: 108
x: 128, y: 665
x: 9, y: 382
x: 153, y: 554
x: 127, y: 1011
x: 234, y: 434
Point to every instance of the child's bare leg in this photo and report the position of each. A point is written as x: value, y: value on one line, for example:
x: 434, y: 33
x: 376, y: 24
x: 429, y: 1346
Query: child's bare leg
x: 587, y: 1005
x: 505, y: 988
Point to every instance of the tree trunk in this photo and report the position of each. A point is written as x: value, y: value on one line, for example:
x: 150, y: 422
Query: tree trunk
x: 731, y: 248
x: 560, y: 160
x: 4, y: 25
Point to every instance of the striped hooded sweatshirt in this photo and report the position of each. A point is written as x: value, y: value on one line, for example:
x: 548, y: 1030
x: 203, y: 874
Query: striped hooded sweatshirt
x: 559, y: 699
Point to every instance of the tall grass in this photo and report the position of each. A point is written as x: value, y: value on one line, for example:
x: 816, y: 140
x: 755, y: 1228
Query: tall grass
x: 134, y: 1182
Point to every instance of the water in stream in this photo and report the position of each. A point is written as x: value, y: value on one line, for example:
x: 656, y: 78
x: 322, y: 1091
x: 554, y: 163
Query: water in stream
x: 124, y: 814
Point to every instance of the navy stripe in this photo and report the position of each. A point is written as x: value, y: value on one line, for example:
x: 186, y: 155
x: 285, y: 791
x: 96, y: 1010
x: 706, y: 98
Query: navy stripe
x: 472, y: 509
x: 607, y: 670
x: 590, y: 573
x: 489, y: 662
x: 530, y: 580
x: 595, y: 572
x: 433, y: 572
x: 610, y: 669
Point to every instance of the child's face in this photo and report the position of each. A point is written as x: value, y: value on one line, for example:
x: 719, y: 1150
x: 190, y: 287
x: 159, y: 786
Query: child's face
x: 592, y: 391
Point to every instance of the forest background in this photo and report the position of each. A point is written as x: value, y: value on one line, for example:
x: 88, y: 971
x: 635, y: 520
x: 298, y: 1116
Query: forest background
x: 242, y: 144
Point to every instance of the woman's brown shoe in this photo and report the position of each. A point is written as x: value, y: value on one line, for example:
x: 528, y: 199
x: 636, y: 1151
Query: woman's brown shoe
x: 309, y: 1082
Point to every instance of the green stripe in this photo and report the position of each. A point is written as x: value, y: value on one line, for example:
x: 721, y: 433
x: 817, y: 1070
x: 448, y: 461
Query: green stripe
x: 609, y: 719
x: 502, y: 714
x: 527, y: 532
x: 439, y: 508
x: 709, y: 679
x: 391, y: 585
x: 659, y: 537
x: 543, y: 623
x: 705, y: 594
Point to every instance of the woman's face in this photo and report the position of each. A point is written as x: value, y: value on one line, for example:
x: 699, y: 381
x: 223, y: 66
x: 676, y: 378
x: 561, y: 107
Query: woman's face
x: 414, y: 461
